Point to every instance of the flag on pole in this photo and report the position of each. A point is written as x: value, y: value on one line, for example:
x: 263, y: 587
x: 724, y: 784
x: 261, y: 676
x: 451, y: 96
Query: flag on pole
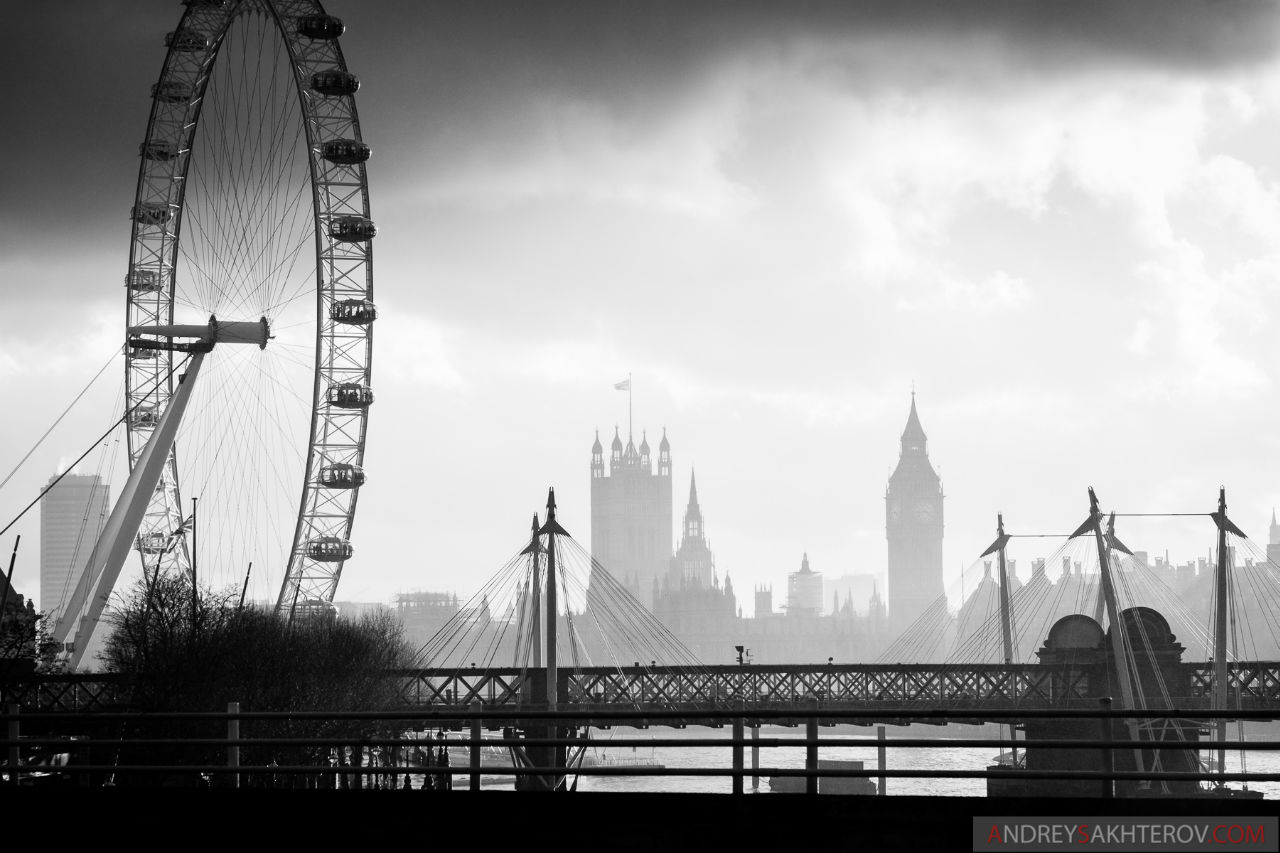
x: 624, y: 385
x: 180, y: 533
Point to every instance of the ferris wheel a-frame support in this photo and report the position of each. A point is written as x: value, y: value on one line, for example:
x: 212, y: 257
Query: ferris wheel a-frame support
x: 84, y: 610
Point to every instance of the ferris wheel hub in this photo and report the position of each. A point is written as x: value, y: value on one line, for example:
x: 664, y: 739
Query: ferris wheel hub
x: 215, y: 332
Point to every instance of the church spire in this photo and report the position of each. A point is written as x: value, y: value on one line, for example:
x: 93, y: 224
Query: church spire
x: 693, y: 514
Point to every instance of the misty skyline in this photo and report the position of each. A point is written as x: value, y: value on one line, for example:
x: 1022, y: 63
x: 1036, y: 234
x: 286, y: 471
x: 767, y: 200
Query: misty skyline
x: 1056, y: 223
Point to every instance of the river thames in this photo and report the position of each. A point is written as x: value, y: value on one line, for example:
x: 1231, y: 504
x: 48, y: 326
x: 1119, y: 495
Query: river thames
x: 939, y: 758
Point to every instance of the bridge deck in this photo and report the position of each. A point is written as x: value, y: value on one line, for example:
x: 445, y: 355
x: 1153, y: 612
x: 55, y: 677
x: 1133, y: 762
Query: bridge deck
x: 907, y: 688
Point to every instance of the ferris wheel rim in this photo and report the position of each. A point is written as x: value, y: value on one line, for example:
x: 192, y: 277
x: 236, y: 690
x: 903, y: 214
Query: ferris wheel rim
x: 344, y: 308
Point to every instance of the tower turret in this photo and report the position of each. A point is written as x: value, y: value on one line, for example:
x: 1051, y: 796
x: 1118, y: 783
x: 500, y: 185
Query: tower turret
x: 615, y: 451
x: 597, y: 458
x: 664, y: 455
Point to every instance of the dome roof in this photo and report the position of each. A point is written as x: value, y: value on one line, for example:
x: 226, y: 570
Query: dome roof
x: 644, y: 444
x: 664, y: 444
x: 597, y: 447
x: 617, y: 442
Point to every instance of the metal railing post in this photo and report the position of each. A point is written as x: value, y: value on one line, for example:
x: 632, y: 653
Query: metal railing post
x: 475, y: 747
x: 1108, y: 754
x: 233, y: 734
x: 737, y: 755
x: 811, y: 748
x: 755, y: 756
x: 880, y: 761
x: 15, y: 756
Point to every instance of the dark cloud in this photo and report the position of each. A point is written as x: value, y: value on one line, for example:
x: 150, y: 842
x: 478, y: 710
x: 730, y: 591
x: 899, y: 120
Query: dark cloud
x: 440, y: 75
x: 585, y: 44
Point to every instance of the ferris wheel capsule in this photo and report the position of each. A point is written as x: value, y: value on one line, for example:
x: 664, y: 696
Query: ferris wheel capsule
x: 172, y: 92
x: 158, y: 150
x: 143, y: 281
x: 152, y: 213
x: 153, y: 543
x: 187, y: 41
x: 353, y: 312
x: 352, y: 229
x: 341, y: 475
x: 345, y: 152
x: 334, y: 83
x: 329, y: 549
x: 144, y: 417
x: 320, y: 27
x: 350, y: 395
x: 143, y: 353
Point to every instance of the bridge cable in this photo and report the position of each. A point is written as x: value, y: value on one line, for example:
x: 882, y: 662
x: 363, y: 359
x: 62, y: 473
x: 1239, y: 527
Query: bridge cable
x: 91, y: 448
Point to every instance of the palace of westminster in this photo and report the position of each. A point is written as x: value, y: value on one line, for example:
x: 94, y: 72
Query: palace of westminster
x: 631, y: 536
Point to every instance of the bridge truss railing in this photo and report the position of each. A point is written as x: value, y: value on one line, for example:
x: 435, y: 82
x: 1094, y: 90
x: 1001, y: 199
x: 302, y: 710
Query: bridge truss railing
x: 976, y: 687
x: 1254, y: 686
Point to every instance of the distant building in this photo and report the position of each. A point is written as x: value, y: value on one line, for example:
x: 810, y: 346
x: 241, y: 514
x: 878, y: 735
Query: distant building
x: 913, y: 526
x: 631, y: 514
x: 979, y: 618
x: 691, y: 601
x: 855, y: 588
x: 1273, y: 541
x: 72, y: 515
x: 804, y: 591
x: 764, y: 601
x: 18, y: 625
x: 425, y: 613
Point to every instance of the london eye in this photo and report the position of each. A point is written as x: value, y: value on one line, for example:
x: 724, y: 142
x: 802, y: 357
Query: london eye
x: 251, y: 220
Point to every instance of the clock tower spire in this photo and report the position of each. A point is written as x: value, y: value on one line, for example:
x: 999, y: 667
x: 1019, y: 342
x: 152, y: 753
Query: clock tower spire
x: 913, y: 526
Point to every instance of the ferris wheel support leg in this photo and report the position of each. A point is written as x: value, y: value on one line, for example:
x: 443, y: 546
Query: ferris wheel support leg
x: 121, y: 529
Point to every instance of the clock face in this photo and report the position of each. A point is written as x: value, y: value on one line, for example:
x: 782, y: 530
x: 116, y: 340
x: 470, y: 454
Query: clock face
x: 895, y: 510
x: 925, y: 511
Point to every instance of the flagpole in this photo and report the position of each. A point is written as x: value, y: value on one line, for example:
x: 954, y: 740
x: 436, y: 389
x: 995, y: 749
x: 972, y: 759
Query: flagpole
x: 194, y: 551
x: 629, y: 432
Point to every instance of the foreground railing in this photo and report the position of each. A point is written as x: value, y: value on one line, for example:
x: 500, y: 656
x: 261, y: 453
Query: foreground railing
x: 409, y: 748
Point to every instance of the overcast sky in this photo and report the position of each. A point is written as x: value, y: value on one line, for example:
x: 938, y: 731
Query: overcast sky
x: 1058, y: 221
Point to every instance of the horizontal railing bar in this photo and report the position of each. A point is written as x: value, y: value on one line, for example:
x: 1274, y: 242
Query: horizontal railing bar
x: 762, y: 743
x: 463, y: 770
x: 753, y: 671
x: 585, y: 716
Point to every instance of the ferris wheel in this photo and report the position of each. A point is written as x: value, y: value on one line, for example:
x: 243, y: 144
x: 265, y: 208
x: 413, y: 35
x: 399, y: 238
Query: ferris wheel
x: 251, y: 224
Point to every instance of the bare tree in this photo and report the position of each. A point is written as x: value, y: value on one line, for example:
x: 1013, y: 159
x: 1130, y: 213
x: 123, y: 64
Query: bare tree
x: 180, y: 658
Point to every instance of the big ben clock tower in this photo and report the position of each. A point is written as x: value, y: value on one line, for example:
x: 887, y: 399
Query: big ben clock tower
x: 913, y: 525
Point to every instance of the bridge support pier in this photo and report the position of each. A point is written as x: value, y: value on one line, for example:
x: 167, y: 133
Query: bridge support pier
x: 1080, y: 651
